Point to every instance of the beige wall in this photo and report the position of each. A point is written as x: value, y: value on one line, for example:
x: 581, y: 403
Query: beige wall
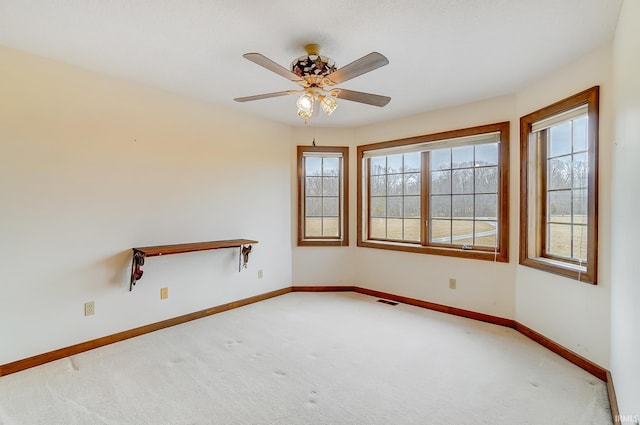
x: 482, y: 286
x: 319, y: 265
x: 91, y: 166
x: 573, y: 314
x: 625, y: 287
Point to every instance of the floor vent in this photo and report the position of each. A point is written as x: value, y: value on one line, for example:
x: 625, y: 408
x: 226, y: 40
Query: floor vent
x: 387, y: 302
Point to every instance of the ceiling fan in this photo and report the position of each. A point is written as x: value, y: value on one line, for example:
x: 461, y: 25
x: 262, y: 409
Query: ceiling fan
x: 317, y: 77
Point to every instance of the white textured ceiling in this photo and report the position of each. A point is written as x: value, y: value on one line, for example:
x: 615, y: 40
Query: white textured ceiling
x: 441, y: 52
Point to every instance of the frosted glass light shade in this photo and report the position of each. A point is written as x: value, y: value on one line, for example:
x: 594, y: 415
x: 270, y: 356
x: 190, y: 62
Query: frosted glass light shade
x: 305, y: 103
x: 304, y: 114
x: 328, y: 104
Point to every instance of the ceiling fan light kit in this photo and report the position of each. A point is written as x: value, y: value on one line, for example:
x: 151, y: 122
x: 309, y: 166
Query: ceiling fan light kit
x: 317, y: 75
x: 305, y: 105
x: 328, y: 104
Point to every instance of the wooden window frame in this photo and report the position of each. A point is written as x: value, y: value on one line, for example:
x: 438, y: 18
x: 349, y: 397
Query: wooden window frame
x: 343, y: 238
x: 533, y: 233
x: 499, y: 254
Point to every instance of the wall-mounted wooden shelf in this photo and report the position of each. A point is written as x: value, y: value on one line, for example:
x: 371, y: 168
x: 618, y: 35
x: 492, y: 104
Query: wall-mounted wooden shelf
x: 140, y: 253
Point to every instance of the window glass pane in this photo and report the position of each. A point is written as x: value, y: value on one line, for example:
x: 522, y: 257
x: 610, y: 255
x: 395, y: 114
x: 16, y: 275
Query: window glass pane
x: 378, y: 165
x: 462, y: 157
x: 313, y: 227
x: 580, y: 242
x: 323, y: 188
x: 394, y: 184
x: 560, y: 140
x: 394, y: 228
x: 378, y: 207
x: 330, y: 207
x: 394, y: 163
x: 313, y: 186
x: 394, y: 195
x: 486, y: 179
x: 580, y: 205
x: 378, y: 228
x: 559, y: 240
x: 412, y: 161
x: 462, y: 181
x: 440, y: 206
x: 411, y: 207
x: 440, y: 159
x: 486, y: 154
x: 486, y: 233
x: 440, y: 231
x: 559, y: 206
x: 462, y: 232
x: 394, y: 207
x: 440, y: 182
x: 378, y: 185
x: 462, y: 206
x: 486, y: 207
x: 313, y: 166
x: 330, y: 227
x: 412, y: 184
x: 412, y: 229
x: 330, y: 186
x: 330, y: 166
x: 313, y: 207
x: 559, y: 173
x: 580, y: 134
x: 580, y: 170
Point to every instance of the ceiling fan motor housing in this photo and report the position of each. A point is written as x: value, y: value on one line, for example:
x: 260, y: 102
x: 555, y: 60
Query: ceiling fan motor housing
x: 313, y: 66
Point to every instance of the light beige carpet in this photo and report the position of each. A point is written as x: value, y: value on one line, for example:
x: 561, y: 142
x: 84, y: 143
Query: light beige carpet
x: 312, y: 358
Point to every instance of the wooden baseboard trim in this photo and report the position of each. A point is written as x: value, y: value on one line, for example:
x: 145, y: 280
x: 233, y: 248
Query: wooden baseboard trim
x: 583, y: 363
x: 613, y: 401
x: 61, y: 353
x: 577, y: 359
x: 569, y: 355
x: 438, y: 307
x: 322, y: 288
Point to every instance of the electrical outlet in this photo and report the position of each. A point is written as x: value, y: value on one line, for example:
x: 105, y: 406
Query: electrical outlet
x: 90, y: 308
x: 164, y: 293
x: 260, y: 274
x: 452, y: 283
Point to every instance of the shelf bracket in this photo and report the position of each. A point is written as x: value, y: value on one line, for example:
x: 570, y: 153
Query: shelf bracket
x: 136, y: 267
x: 245, y: 250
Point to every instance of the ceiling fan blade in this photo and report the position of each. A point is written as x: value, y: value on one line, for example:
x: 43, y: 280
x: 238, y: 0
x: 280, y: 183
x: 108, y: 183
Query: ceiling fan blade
x: 271, y: 66
x: 264, y: 96
x: 373, y: 60
x: 368, y: 98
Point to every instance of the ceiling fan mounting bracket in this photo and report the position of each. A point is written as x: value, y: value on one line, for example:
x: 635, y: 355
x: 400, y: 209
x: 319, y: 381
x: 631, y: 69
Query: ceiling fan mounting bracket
x: 312, y: 49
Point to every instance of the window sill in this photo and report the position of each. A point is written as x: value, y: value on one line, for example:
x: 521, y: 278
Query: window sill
x: 446, y: 251
x: 569, y: 270
x: 322, y: 242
